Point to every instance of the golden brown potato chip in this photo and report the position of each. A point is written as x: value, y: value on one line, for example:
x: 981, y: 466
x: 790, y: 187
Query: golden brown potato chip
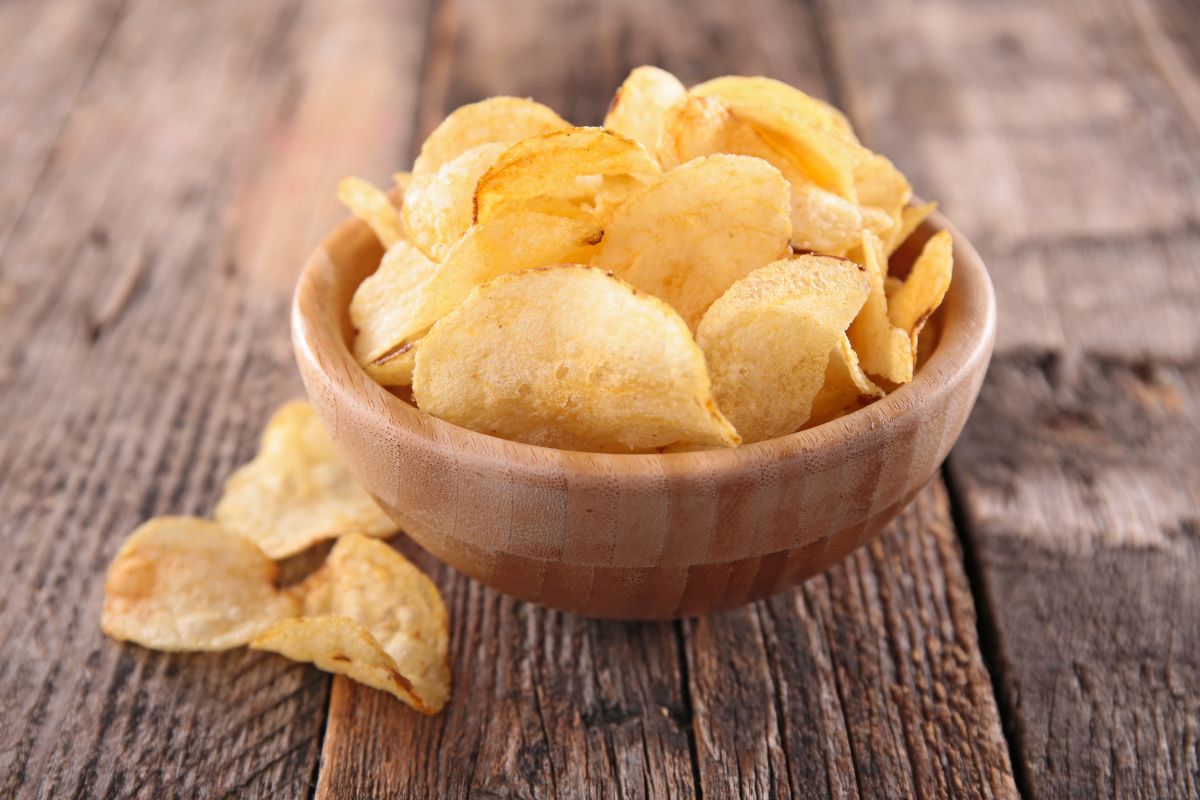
x: 371, y: 205
x: 638, y: 107
x: 826, y: 223
x: 824, y: 156
x: 768, y: 340
x: 508, y: 243
x: 439, y: 206
x: 701, y: 126
x: 180, y: 583
x: 699, y: 228
x: 759, y: 91
x: 382, y: 308
x: 922, y: 291
x: 372, y: 615
x: 884, y: 350
x: 296, y: 491
x: 551, y: 165
x: 822, y: 220
x: 569, y: 357
x: 847, y: 388
x: 695, y: 230
x: 882, y: 188
x: 497, y: 120
x: 911, y: 218
x: 402, y: 180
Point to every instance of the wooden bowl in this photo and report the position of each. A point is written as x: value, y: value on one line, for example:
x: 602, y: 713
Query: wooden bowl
x: 639, y: 536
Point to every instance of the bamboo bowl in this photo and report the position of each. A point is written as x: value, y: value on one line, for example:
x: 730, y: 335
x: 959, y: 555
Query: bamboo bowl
x: 639, y: 536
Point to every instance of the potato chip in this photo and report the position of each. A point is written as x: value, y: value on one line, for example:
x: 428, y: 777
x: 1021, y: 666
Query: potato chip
x: 826, y: 223
x: 296, y: 491
x: 698, y: 228
x: 911, y: 218
x: 508, y: 243
x: 497, y: 120
x: 922, y: 291
x: 371, y: 205
x: 768, y: 339
x: 824, y: 156
x: 569, y: 357
x: 641, y: 102
x: 439, y: 206
x: 822, y: 220
x: 550, y: 165
x: 759, y: 91
x: 847, y: 388
x: 181, y: 583
x: 382, y: 307
x: 880, y: 187
x: 402, y: 180
x: 372, y: 615
x: 701, y: 126
x: 884, y: 350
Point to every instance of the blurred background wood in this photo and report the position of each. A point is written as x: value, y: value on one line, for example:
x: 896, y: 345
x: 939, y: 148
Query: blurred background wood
x: 164, y: 169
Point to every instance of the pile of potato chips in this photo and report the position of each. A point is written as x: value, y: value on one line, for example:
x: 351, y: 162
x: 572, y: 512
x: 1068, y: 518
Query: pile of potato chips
x: 186, y: 584
x: 708, y: 268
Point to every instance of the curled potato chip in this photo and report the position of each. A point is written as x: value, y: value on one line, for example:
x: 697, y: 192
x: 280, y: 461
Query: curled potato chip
x: 382, y: 307
x: 822, y: 155
x: 638, y: 107
x: 701, y: 126
x: 911, y: 218
x: 696, y: 229
x: 296, y: 491
x: 180, y: 583
x: 370, y: 614
x: 508, y: 243
x: 883, y: 349
x: 550, y: 166
x: 569, y: 357
x: 826, y: 223
x: 847, y: 388
x: 439, y: 206
x: 759, y: 91
x: 879, y: 185
x: 822, y: 220
x: 496, y: 120
x: 768, y: 339
x: 915, y: 300
x: 371, y: 205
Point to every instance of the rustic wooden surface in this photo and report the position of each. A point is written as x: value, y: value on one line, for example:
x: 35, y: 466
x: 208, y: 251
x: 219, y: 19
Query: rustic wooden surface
x: 164, y: 168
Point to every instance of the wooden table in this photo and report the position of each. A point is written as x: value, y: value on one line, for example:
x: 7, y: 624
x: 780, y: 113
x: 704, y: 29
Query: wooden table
x: 1030, y: 625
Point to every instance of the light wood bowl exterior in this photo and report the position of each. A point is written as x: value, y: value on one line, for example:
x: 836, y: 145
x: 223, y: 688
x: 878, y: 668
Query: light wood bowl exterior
x: 638, y: 536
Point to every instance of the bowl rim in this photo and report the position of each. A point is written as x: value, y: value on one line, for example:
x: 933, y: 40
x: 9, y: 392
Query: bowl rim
x: 965, y: 340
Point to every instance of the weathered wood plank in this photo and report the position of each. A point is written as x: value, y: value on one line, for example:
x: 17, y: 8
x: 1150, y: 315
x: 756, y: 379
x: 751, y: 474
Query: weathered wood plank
x: 551, y: 705
x: 545, y: 705
x: 1062, y: 137
x: 866, y: 682
x: 1047, y: 135
x: 1082, y: 491
x: 139, y: 355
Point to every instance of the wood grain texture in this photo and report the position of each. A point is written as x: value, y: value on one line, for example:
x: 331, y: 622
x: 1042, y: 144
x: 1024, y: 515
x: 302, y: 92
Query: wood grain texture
x: 1068, y: 150
x: 545, y: 705
x: 1082, y: 494
x: 873, y: 672
x: 137, y: 359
